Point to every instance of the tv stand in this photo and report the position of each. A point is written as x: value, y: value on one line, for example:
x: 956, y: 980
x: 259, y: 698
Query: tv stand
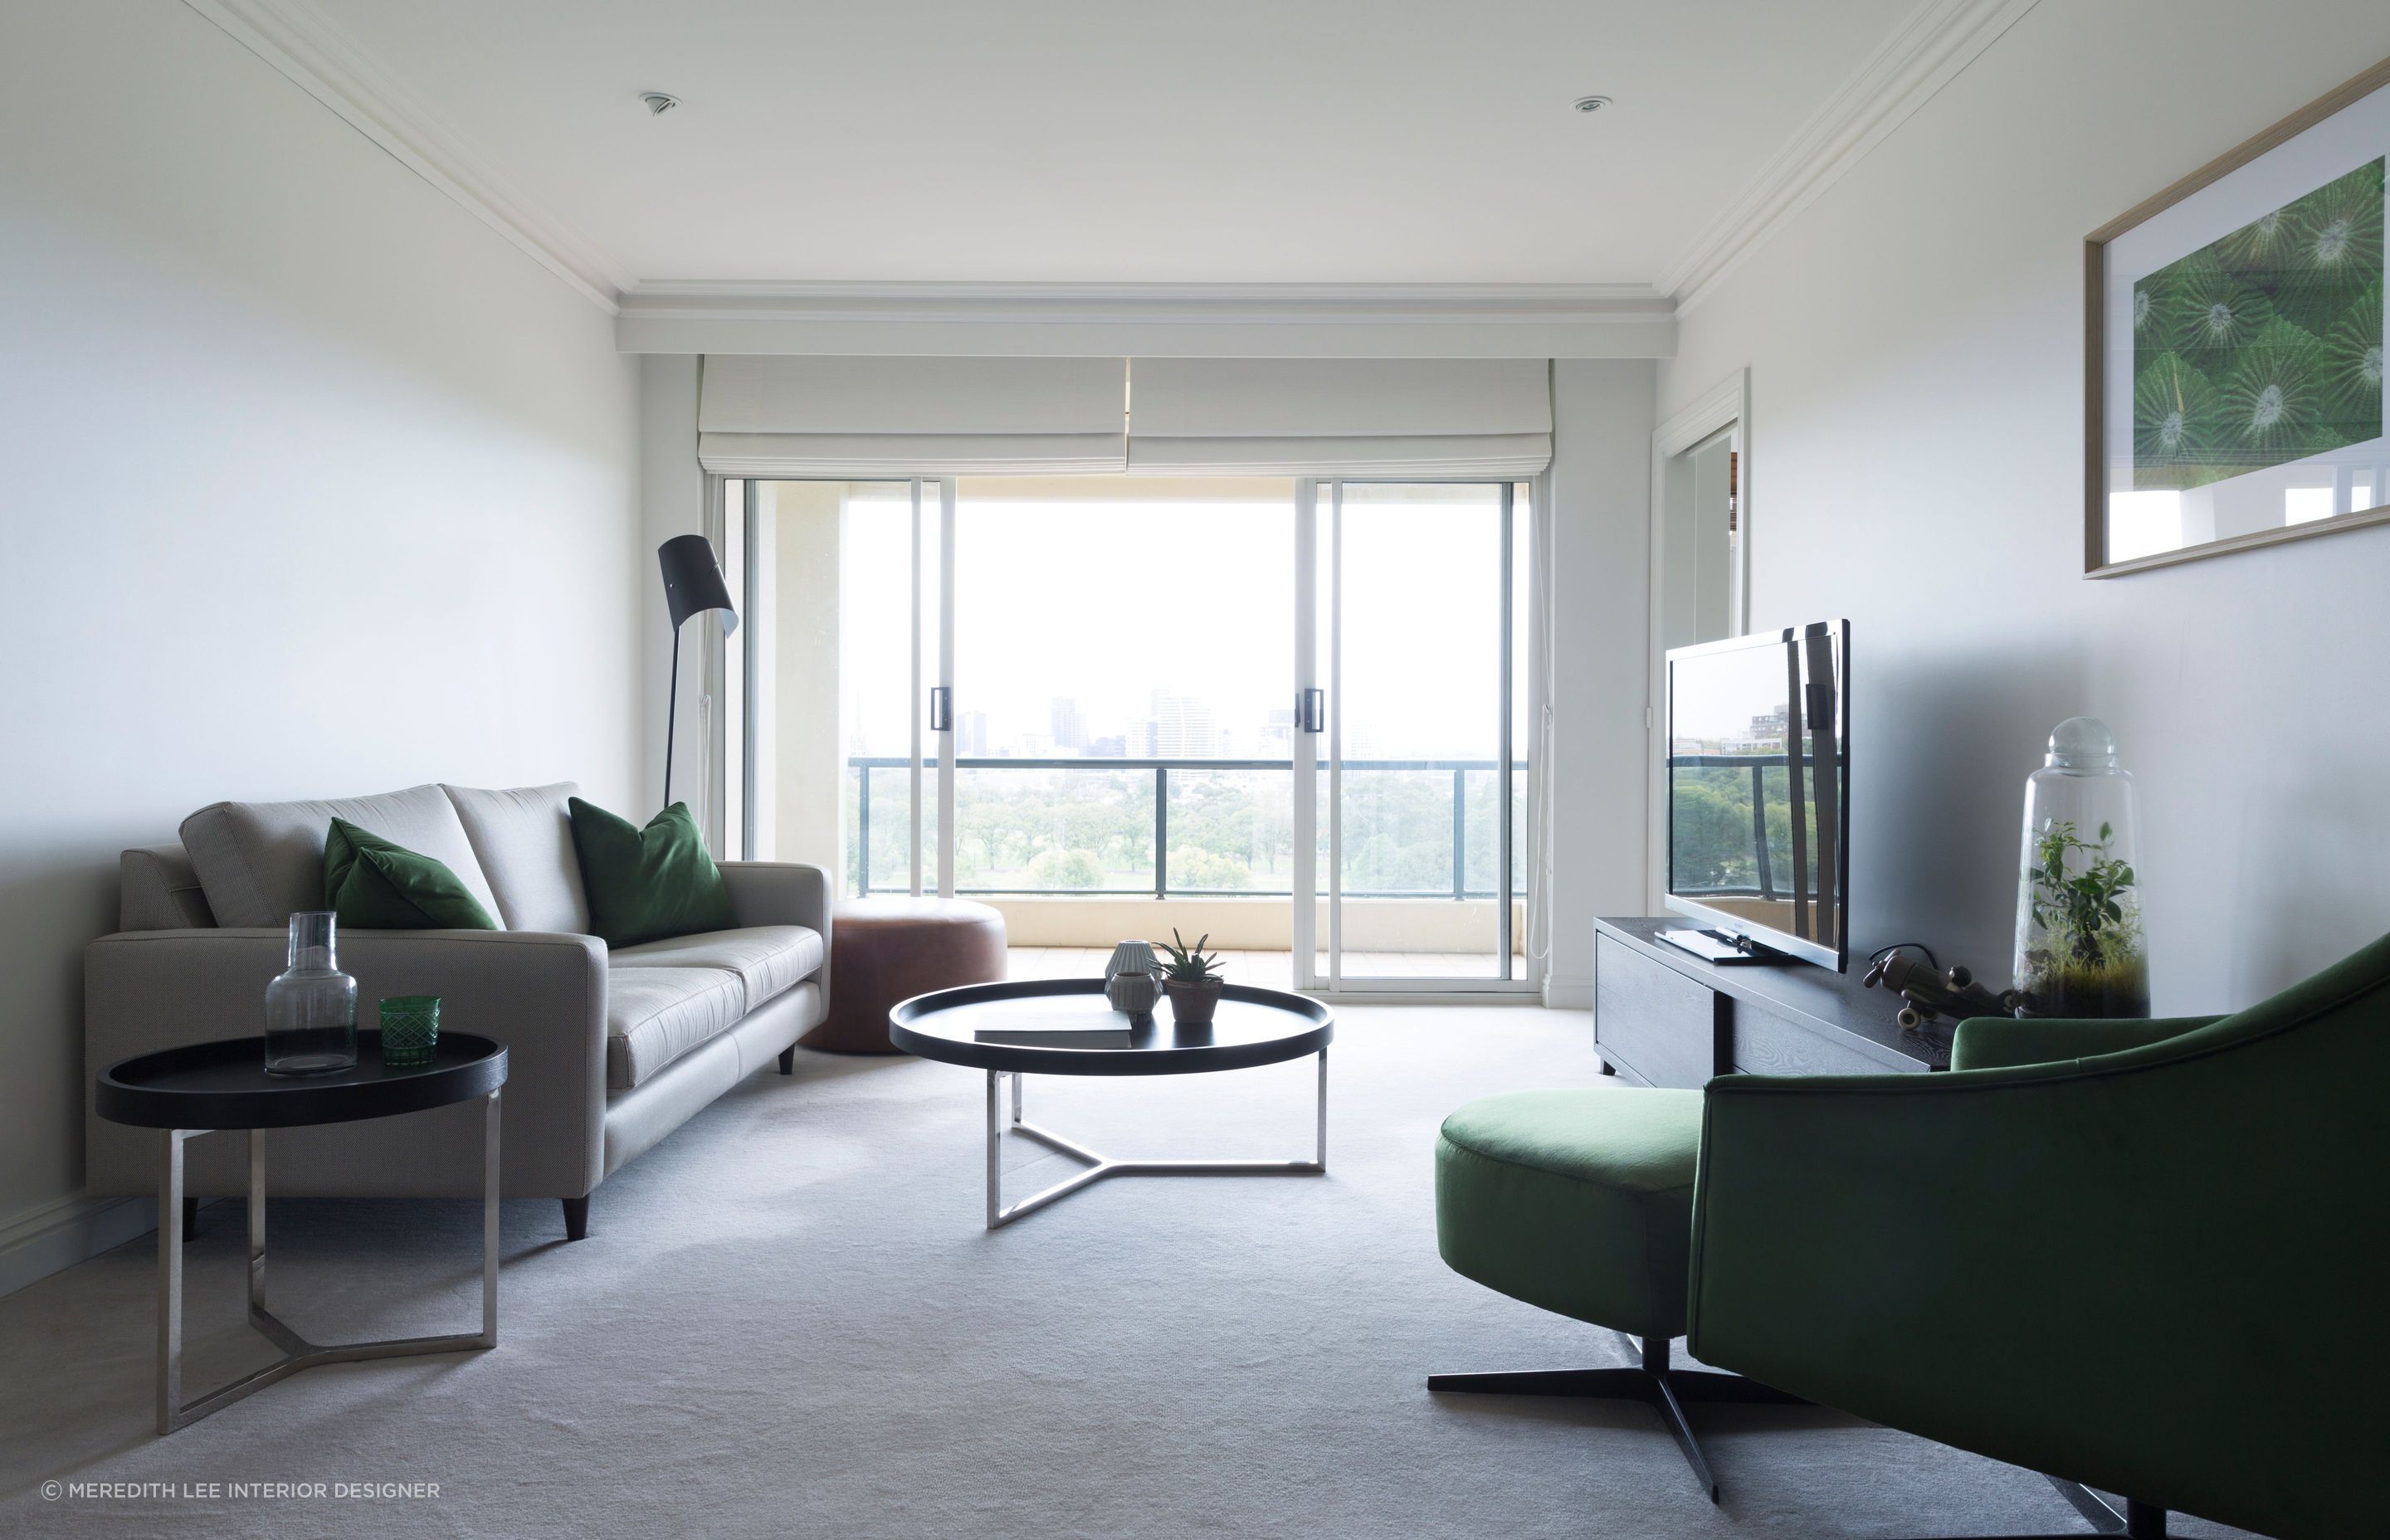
x: 1722, y: 947
x: 1663, y: 1016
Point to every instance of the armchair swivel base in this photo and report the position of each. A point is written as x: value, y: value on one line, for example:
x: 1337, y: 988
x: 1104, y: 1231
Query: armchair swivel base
x: 1666, y: 1390
x: 1581, y: 1202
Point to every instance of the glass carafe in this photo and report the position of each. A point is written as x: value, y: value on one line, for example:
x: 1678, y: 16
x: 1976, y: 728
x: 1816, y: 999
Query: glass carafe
x: 311, y: 1007
x: 2079, y: 949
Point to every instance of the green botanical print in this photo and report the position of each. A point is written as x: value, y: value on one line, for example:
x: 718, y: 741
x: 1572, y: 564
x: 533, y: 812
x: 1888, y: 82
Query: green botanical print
x: 2265, y: 347
x: 2175, y: 414
x: 2353, y: 358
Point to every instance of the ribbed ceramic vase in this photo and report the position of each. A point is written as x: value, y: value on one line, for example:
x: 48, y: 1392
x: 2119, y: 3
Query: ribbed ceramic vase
x: 1129, y: 982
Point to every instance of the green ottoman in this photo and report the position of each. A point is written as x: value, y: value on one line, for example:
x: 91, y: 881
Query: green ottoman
x: 1581, y: 1202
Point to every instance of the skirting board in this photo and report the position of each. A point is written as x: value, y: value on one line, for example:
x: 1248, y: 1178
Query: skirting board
x: 56, y: 1236
x: 1569, y: 990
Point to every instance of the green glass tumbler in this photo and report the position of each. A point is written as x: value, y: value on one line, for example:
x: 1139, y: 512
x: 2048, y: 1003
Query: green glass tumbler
x: 410, y: 1030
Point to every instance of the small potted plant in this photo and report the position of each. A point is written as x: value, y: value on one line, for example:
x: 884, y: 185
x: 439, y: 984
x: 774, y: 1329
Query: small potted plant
x: 1193, y: 978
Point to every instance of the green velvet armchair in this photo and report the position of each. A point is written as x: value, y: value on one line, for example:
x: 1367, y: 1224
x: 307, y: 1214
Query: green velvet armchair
x: 2146, y: 1256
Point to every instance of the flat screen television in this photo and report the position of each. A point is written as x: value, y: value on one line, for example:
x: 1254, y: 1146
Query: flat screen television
x: 1759, y: 795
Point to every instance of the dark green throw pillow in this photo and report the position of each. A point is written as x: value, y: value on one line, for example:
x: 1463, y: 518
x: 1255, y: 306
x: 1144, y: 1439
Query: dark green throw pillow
x: 646, y: 884
x: 374, y: 885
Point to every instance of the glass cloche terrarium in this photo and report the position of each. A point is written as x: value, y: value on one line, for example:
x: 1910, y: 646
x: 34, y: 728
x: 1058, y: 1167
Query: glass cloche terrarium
x: 2079, y: 949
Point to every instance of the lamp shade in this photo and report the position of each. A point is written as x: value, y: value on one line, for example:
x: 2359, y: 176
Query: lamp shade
x: 693, y: 581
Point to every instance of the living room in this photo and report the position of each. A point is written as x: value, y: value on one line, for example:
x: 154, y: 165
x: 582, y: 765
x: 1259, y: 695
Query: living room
x: 1545, y: 547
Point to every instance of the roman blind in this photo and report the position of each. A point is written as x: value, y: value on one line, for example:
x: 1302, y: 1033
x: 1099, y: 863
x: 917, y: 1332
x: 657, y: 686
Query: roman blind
x: 1340, y: 416
x: 800, y: 416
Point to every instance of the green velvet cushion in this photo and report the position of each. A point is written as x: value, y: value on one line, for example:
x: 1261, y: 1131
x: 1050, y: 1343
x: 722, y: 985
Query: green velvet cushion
x: 646, y: 884
x: 374, y: 885
x: 1577, y: 1202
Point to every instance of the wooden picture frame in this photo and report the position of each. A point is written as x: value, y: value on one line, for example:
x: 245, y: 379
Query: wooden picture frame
x: 2098, y: 405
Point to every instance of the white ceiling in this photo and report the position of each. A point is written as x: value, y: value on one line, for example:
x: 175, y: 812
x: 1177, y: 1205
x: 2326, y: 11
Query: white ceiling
x: 1200, y: 141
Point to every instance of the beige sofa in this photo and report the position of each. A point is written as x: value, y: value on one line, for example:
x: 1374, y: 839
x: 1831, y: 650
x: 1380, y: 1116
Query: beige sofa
x: 608, y: 1051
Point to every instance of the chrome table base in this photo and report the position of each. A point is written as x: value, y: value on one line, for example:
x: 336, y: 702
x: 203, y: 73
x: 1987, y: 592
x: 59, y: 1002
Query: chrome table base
x: 173, y: 1412
x: 1099, y: 1166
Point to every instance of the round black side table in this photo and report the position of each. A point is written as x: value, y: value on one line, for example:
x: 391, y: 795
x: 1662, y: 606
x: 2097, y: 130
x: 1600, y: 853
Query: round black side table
x: 203, y: 1087
x: 1253, y: 1027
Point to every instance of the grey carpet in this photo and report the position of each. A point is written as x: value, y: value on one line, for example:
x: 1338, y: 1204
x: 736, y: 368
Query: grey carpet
x: 788, y: 1320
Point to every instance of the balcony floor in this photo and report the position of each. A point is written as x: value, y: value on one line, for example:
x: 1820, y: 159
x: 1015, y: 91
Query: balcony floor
x: 1263, y: 969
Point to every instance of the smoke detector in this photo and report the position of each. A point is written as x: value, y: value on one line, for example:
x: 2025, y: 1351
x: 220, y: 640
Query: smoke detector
x: 1582, y: 104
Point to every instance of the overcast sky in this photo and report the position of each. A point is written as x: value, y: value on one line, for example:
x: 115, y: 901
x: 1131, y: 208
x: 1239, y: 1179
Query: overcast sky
x: 1105, y: 601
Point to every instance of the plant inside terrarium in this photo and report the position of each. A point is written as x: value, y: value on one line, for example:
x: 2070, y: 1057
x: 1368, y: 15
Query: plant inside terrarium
x: 2086, y: 916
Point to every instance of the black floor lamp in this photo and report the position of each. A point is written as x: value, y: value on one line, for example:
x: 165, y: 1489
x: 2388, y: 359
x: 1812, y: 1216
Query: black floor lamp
x: 692, y: 585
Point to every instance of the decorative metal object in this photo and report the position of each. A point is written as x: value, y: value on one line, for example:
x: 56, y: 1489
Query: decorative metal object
x: 410, y: 1030
x: 311, y: 1007
x: 2079, y: 949
x: 1129, y: 982
x: 1930, y: 994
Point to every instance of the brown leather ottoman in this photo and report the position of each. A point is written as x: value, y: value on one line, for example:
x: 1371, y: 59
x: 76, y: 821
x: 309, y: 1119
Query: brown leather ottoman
x: 883, y: 950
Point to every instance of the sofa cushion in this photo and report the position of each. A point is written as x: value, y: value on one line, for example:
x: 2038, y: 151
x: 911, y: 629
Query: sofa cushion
x: 654, y: 1014
x: 261, y: 863
x: 373, y: 884
x: 161, y: 892
x: 767, y: 959
x: 646, y: 884
x: 523, y: 838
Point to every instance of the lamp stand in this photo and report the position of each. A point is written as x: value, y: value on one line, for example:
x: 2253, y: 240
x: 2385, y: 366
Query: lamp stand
x: 671, y: 714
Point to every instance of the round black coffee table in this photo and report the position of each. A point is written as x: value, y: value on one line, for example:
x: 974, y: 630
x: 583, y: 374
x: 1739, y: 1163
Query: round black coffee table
x: 1252, y: 1027
x: 202, y: 1087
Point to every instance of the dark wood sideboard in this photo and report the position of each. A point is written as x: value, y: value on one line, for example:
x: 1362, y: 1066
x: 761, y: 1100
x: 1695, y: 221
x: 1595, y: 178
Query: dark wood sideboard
x: 1664, y: 1017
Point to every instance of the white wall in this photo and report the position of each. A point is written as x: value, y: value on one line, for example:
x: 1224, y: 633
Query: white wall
x: 1915, y: 346
x: 310, y: 484
x: 1601, y: 479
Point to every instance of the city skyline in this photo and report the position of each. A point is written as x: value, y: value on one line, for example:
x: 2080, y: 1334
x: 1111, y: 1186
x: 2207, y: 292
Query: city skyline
x: 1177, y: 726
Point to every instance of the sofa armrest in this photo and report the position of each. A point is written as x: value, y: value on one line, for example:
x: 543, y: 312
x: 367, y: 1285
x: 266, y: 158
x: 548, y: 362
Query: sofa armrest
x: 543, y: 995
x: 1999, y: 1042
x: 783, y: 893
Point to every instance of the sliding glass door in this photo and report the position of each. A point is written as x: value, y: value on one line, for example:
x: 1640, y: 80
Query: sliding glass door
x: 843, y: 692
x: 1075, y: 697
x: 1414, y: 644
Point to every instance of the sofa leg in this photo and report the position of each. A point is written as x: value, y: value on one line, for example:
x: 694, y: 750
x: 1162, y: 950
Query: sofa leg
x: 1664, y: 1389
x: 2138, y: 1522
x: 576, y: 1219
x: 789, y: 1060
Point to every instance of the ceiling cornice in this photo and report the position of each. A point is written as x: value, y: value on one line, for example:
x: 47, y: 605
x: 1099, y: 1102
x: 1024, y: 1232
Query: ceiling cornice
x: 333, y: 69
x: 1065, y: 303
x: 1940, y: 38
x: 1938, y: 41
x: 1184, y: 319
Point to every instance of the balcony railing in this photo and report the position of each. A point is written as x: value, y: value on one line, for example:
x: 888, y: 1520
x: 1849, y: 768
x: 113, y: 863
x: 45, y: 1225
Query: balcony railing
x: 1763, y: 858
x: 1457, y: 888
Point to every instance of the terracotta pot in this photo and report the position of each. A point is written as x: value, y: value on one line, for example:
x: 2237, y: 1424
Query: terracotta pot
x: 1192, y: 1005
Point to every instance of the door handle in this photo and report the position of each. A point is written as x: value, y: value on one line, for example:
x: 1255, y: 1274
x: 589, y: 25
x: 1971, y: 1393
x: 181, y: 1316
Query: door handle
x: 1311, y: 710
x: 942, y: 709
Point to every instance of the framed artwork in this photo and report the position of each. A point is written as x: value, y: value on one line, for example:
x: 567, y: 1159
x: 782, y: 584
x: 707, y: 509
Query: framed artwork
x: 2234, y: 342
